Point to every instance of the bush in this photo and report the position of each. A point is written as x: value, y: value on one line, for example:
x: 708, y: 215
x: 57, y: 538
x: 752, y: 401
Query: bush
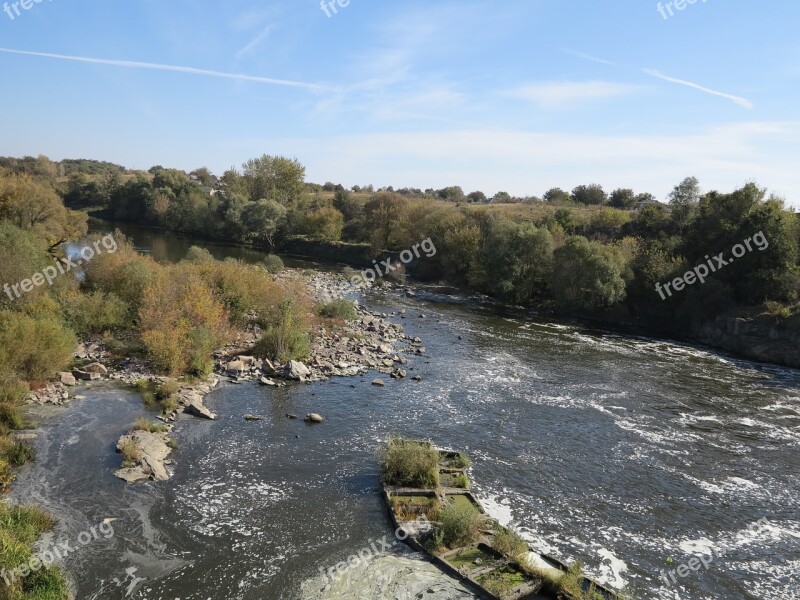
x: 130, y: 453
x: 509, y: 543
x: 286, y: 340
x: 179, y: 311
x: 325, y: 225
x: 12, y: 396
x: 273, y: 264
x: 338, y: 309
x: 34, y: 348
x: 459, y: 524
x: 411, y: 463
x: 95, y: 312
x: 199, y: 255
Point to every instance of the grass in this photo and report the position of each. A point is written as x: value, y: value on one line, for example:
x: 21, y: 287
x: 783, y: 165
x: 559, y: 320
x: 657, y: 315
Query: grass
x: 411, y: 463
x: 159, y: 395
x: 468, y: 558
x: 454, y: 460
x: 20, y: 527
x: 408, y: 508
x: 131, y: 454
x: 509, y: 543
x: 501, y: 581
x: 458, y: 525
x: 338, y: 309
x: 143, y: 424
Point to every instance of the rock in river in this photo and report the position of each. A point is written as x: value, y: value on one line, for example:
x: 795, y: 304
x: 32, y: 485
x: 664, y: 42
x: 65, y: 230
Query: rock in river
x: 296, y: 370
x: 314, y: 418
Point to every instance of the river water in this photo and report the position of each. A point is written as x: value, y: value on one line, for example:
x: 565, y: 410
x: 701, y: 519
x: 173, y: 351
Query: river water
x: 632, y: 455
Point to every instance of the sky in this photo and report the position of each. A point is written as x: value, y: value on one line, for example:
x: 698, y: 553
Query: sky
x: 501, y: 95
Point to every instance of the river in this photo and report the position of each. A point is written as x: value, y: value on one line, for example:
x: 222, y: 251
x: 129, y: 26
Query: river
x: 632, y: 455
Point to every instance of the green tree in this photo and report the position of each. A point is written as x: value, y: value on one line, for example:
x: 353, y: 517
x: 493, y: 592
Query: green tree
x: 325, y: 224
x: 622, y: 198
x: 589, y: 194
x: 262, y: 221
x: 586, y: 276
x: 557, y: 196
x: 683, y: 200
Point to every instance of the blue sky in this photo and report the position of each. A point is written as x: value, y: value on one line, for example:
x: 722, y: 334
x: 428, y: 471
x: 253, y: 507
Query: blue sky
x: 506, y: 95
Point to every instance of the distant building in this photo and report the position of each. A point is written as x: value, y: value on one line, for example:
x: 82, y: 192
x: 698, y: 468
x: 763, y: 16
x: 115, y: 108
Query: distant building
x: 641, y: 205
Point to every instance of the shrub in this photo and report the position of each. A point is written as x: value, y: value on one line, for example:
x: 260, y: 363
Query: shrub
x: 459, y: 524
x: 287, y: 339
x: 12, y: 396
x: 273, y: 264
x: 15, y: 453
x: 338, y: 309
x: 199, y: 255
x: 509, y: 543
x: 95, y: 312
x: 411, y: 463
x: 130, y: 453
x: 35, y: 348
x: 178, y: 311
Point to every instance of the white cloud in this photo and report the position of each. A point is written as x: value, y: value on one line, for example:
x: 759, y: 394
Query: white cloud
x: 174, y: 68
x: 566, y: 94
x: 744, y: 102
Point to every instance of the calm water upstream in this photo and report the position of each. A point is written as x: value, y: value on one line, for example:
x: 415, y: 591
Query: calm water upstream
x: 630, y: 454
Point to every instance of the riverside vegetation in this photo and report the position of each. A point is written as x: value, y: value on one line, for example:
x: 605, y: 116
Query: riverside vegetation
x: 172, y: 316
x: 585, y: 252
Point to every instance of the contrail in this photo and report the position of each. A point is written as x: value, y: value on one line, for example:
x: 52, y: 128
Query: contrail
x: 737, y: 99
x: 174, y: 68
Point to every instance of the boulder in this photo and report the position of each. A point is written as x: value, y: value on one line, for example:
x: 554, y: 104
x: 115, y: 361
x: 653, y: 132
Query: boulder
x: 378, y: 383
x: 198, y: 409
x: 416, y: 378
x: 96, y: 367
x: 249, y: 361
x: 291, y: 416
x: 253, y: 418
x: 296, y: 371
x: 235, y: 368
x: 267, y: 381
x: 399, y: 374
x: 85, y: 376
x: 314, y: 418
x: 68, y: 379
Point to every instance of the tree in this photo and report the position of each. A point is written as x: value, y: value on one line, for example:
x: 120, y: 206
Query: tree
x: 262, y: 221
x: 477, y: 197
x: 589, y: 194
x: 383, y: 216
x: 502, y: 198
x: 34, y: 206
x: 326, y: 224
x: 683, y: 199
x: 451, y: 194
x: 586, y: 276
x: 622, y: 198
x: 275, y: 178
x: 556, y: 196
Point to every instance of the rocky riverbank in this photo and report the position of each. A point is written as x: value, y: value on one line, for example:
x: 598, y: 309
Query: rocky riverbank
x: 371, y: 342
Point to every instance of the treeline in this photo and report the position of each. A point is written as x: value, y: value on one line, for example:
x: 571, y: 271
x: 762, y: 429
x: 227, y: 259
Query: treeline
x: 584, y: 251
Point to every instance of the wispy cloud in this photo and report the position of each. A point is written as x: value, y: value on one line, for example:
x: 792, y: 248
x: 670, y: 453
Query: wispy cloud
x: 565, y: 94
x: 744, y: 102
x: 255, y: 42
x: 585, y: 56
x: 314, y: 87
